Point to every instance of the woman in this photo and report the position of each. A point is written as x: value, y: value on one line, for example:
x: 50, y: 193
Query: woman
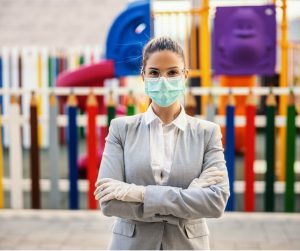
x: 162, y: 172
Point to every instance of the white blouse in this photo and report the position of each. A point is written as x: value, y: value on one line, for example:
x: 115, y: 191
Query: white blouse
x: 162, y: 143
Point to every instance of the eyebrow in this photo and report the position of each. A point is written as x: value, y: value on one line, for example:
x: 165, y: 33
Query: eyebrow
x: 173, y: 67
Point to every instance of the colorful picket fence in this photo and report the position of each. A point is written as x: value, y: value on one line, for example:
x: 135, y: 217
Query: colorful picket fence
x: 32, y: 67
x: 71, y: 120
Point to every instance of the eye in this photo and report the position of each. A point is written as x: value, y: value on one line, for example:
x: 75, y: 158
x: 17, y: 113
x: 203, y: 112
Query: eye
x: 173, y: 73
x: 153, y: 73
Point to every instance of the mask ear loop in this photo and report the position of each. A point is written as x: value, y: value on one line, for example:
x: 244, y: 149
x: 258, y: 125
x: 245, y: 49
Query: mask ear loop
x: 186, y: 90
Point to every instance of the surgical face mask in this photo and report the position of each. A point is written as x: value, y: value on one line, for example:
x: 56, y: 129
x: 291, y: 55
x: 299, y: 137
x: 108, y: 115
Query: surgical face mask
x: 164, y: 91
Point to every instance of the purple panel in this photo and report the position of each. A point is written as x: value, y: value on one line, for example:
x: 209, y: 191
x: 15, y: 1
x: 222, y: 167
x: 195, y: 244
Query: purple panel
x: 244, y: 40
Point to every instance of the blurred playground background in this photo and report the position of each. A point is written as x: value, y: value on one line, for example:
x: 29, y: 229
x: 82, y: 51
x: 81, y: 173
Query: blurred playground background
x: 68, y: 67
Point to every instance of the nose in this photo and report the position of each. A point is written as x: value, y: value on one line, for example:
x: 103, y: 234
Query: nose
x: 164, y: 81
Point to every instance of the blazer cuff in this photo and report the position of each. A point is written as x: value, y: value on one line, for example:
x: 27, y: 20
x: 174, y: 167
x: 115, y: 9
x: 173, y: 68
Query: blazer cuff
x: 153, y: 204
x: 150, y: 201
x: 155, y: 200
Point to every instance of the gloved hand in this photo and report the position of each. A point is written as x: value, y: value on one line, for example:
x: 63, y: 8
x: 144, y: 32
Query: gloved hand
x: 208, y: 177
x: 109, y: 189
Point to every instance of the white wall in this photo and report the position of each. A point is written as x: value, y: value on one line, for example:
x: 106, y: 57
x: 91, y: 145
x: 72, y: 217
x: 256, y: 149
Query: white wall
x: 57, y: 23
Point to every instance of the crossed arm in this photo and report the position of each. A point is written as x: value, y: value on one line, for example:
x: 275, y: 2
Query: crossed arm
x: 166, y: 203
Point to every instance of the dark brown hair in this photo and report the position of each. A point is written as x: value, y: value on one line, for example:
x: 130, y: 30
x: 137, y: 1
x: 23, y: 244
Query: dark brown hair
x: 160, y: 44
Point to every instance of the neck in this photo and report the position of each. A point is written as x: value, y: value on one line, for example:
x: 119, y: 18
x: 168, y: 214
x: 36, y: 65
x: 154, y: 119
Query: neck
x: 167, y: 114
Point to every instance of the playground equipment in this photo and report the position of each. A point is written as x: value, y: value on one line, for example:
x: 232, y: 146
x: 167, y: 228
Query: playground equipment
x: 39, y: 71
x: 244, y: 44
x: 125, y: 41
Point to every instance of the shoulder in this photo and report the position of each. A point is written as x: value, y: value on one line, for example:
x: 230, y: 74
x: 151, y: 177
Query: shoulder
x: 126, y: 121
x: 202, y: 124
x: 204, y: 129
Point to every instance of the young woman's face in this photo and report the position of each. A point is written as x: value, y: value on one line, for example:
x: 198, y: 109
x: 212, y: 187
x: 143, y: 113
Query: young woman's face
x: 166, y: 63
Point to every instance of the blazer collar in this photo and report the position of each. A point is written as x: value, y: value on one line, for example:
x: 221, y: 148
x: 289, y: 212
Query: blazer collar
x: 180, y: 121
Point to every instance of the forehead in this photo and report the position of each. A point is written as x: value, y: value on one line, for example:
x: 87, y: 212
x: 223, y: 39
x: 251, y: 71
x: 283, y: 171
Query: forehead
x: 164, y: 59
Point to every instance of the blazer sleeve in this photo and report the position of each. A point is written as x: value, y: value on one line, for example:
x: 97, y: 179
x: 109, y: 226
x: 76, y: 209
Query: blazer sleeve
x: 192, y: 203
x: 112, y: 166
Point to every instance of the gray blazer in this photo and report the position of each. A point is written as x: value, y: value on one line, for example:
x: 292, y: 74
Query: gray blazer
x: 172, y: 216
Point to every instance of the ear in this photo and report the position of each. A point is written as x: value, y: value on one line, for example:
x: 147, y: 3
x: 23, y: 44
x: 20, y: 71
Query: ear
x: 143, y: 75
x: 186, y: 74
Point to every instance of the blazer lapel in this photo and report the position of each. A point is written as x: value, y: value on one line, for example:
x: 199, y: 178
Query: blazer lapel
x: 145, y: 150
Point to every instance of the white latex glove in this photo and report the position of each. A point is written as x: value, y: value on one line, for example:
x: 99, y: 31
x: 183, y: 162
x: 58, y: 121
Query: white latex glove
x: 208, y: 177
x: 109, y: 189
